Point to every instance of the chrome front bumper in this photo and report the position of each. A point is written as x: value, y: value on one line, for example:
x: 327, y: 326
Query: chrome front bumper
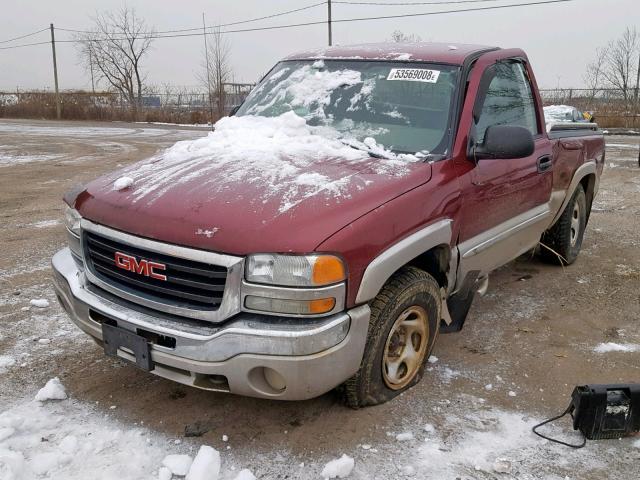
x: 310, y: 356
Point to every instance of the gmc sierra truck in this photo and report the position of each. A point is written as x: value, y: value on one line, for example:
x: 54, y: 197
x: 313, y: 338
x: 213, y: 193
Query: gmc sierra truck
x: 325, y: 233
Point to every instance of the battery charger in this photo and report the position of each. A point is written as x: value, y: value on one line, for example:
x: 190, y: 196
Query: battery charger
x: 601, y: 412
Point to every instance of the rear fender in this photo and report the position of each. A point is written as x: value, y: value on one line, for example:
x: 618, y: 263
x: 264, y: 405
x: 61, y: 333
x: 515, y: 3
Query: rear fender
x: 584, y: 170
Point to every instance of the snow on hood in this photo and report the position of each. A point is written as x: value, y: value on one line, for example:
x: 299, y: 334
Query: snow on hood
x: 281, y: 156
x: 254, y: 184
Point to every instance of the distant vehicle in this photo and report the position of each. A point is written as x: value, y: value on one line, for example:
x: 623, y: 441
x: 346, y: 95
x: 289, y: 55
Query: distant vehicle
x: 151, y: 101
x: 564, y: 113
x: 290, y: 251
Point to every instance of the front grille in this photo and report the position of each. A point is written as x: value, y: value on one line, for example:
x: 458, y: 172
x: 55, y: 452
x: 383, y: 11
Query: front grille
x: 189, y: 284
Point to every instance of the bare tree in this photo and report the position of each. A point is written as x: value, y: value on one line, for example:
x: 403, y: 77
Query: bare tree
x: 216, y: 69
x: 115, y: 47
x: 401, y: 37
x: 617, y: 66
x: 620, y: 69
x: 593, y: 77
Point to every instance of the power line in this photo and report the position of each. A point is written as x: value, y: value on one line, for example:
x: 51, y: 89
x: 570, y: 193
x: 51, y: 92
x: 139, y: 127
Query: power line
x: 392, y: 4
x: 25, y: 45
x: 25, y: 36
x: 477, y: 9
x: 279, y: 14
x: 323, y: 22
x: 357, y: 19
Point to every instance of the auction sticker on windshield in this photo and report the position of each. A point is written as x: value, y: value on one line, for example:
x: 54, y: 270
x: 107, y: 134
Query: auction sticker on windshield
x: 414, y: 75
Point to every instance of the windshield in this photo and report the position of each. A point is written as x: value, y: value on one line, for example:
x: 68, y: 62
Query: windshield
x: 404, y: 107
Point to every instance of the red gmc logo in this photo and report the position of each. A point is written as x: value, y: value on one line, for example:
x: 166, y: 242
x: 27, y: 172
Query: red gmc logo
x: 141, y: 267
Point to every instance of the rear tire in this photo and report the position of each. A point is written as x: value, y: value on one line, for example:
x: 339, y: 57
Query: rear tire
x: 565, y: 237
x: 405, y: 316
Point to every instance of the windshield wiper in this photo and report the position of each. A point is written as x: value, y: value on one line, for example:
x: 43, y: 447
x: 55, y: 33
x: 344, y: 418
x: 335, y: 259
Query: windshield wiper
x: 363, y: 148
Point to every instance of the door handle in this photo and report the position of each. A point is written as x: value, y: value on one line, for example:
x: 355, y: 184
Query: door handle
x: 545, y: 163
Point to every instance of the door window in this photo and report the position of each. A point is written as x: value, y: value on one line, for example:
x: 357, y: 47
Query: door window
x: 509, y: 100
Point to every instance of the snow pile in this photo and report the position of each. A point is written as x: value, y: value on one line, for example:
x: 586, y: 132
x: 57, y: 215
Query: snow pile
x: 178, y: 464
x: 277, y: 154
x: 164, y: 474
x: 403, y: 56
x: 245, y: 475
x: 429, y: 428
x: 39, y: 302
x: 15, y: 159
x: 502, y: 465
x: 501, y: 442
x: 6, y: 361
x: 69, y: 441
x: 616, y: 347
x: 122, y: 183
x: 338, y: 468
x: 206, y: 465
x: 45, y: 223
x: 53, y: 390
x: 404, y: 437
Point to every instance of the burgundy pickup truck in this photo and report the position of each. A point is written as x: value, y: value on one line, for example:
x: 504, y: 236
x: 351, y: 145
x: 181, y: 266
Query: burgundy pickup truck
x: 324, y: 234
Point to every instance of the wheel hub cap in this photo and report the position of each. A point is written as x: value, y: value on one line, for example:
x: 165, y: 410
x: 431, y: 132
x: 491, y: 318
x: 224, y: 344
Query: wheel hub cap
x: 575, y: 224
x: 405, y: 348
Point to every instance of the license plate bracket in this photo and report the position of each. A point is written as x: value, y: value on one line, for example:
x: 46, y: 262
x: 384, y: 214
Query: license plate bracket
x: 115, y: 338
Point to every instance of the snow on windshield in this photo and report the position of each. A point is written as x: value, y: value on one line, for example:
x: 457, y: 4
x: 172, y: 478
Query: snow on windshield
x: 369, y: 115
x: 307, y: 87
x: 283, y: 155
x: 405, y: 109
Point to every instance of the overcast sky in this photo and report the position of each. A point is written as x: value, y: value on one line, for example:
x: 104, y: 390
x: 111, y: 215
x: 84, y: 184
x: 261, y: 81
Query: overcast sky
x: 559, y: 38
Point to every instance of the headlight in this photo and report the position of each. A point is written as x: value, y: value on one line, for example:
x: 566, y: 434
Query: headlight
x: 72, y: 220
x: 295, y: 270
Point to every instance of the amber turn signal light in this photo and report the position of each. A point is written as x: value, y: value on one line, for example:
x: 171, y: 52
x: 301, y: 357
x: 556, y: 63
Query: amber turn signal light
x: 322, y: 305
x: 328, y: 269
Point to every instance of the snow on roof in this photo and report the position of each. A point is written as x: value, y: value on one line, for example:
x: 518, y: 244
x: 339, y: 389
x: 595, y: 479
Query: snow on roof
x: 419, y: 51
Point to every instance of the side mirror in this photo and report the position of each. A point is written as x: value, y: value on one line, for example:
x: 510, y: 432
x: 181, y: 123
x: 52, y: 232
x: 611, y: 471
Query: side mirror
x: 505, y: 141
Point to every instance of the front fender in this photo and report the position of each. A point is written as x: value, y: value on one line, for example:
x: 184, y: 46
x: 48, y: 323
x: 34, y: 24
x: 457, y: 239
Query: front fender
x: 390, y: 236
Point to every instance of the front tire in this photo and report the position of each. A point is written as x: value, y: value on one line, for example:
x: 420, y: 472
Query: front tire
x: 565, y: 237
x: 404, y: 324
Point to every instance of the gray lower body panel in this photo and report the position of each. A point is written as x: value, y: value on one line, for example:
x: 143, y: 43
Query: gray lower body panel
x: 247, y: 354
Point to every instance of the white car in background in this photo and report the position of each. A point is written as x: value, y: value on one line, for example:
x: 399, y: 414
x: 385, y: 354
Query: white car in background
x: 563, y: 114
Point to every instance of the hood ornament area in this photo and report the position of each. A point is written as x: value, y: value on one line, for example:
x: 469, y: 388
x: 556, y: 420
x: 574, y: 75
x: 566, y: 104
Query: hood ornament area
x: 207, y: 232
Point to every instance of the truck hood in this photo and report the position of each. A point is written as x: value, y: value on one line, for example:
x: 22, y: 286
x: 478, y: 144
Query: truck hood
x: 246, y: 191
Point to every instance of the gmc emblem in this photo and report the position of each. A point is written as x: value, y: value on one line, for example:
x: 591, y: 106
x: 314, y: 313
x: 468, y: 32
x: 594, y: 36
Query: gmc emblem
x: 141, y: 267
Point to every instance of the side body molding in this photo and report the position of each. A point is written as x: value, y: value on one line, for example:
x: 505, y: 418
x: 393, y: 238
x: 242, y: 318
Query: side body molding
x: 399, y: 254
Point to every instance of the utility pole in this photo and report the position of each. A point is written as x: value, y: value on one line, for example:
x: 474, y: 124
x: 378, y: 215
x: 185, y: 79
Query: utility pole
x: 329, y: 22
x: 93, y: 85
x: 206, y: 56
x: 55, y: 71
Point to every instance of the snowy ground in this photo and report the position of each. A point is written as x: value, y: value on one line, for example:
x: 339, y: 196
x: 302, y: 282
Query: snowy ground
x: 538, y: 332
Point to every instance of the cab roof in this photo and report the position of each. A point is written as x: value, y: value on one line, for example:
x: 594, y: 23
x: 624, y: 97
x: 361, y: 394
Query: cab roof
x: 452, y: 53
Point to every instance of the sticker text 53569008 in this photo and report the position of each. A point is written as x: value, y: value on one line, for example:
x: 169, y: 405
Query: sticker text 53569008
x: 414, y: 75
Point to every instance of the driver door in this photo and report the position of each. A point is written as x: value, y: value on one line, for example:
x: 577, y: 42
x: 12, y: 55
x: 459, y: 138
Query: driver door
x: 505, y: 201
